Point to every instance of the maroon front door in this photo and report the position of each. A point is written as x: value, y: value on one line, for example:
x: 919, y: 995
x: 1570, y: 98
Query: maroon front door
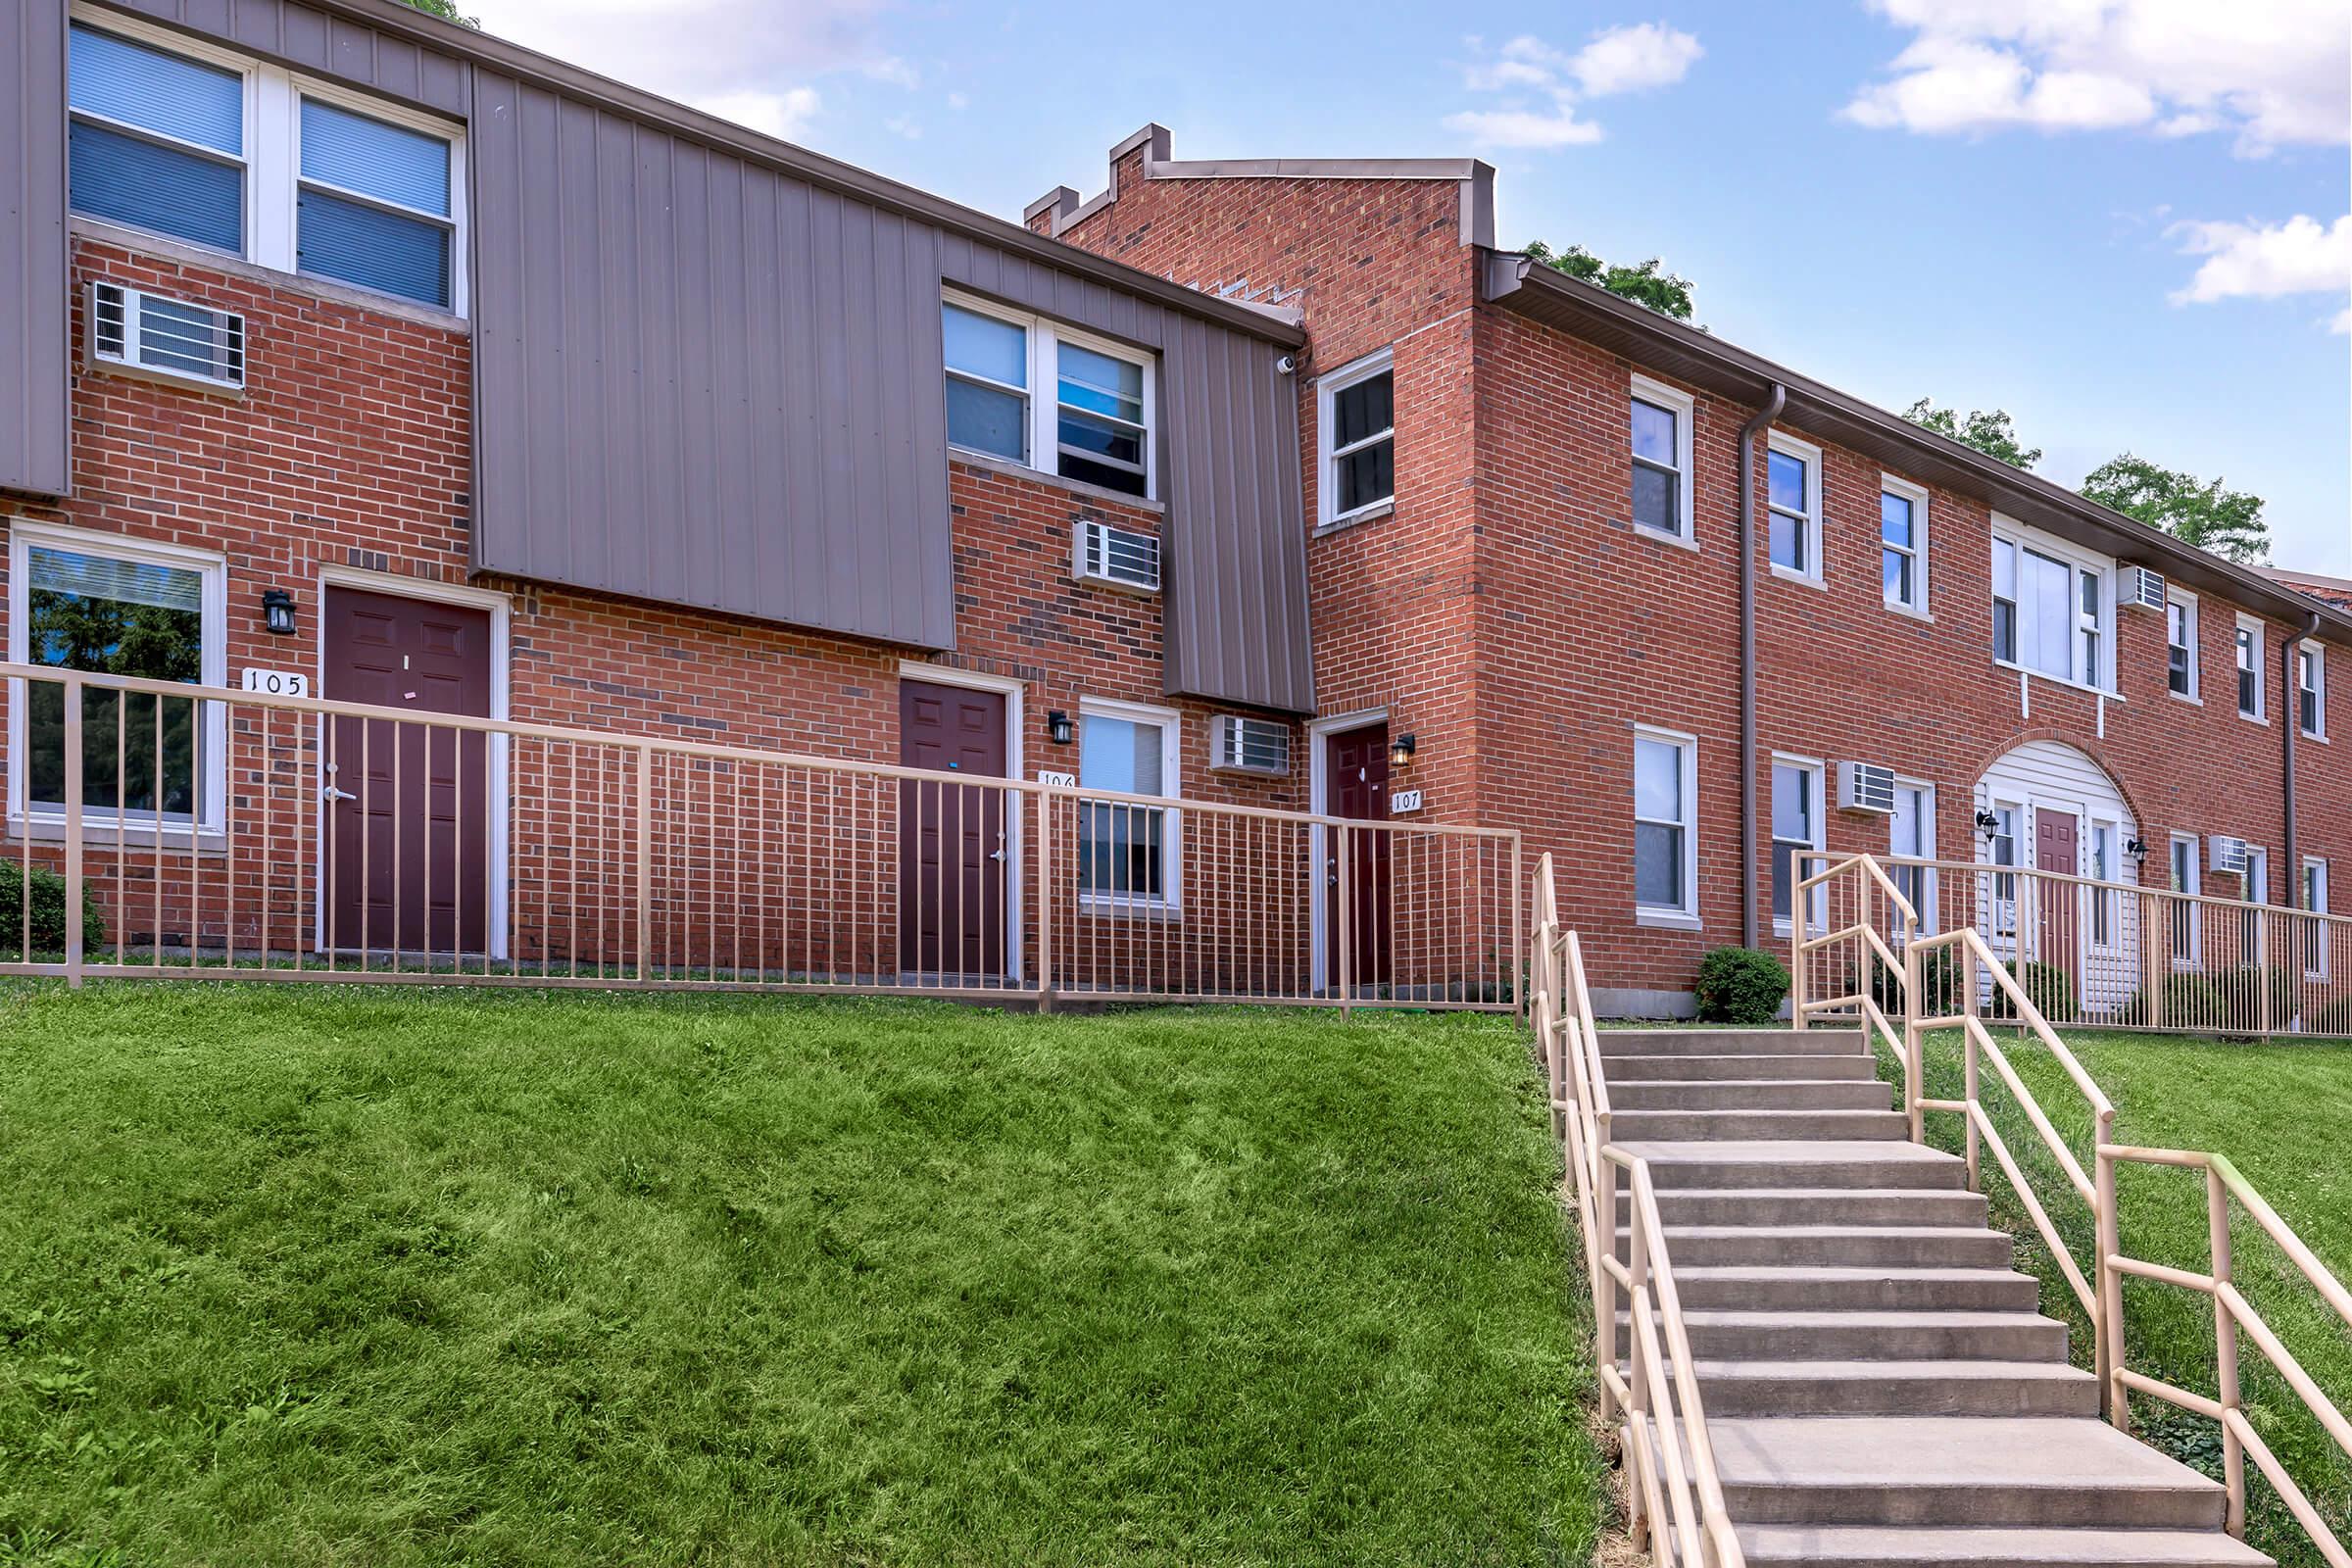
x: 2054, y: 850
x: 1357, y: 776
x: 408, y: 810
x: 952, y: 848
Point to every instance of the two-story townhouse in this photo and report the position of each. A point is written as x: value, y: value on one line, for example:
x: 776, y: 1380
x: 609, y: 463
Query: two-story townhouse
x: 341, y: 343
x: 1683, y: 614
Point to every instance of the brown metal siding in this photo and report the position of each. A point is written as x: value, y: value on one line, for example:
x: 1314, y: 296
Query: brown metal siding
x: 33, y: 297
x: 331, y: 46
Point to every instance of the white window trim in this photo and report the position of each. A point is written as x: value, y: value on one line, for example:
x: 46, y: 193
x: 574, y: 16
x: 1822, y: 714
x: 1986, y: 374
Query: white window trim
x: 211, y: 670
x: 1684, y: 916
x: 2190, y: 627
x: 1927, y: 843
x: 1685, y: 409
x: 2305, y: 887
x: 1040, y: 426
x: 1327, y: 391
x: 1783, y: 924
x: 273, y: 159
x: 2192, y: 887
x: 2104, y: 899
x: 1917, y: 495
x: 1809, y: 455
x: 2025, y: 538
x: 2319, y: 689
x: 1171, y: 786
x: 2262, y: 688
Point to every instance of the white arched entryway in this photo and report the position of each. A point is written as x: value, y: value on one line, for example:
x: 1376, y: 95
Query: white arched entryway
x: 2053, y: 809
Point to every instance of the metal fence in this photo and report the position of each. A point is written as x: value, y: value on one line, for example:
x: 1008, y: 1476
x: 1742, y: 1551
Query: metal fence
x: 231, y: 834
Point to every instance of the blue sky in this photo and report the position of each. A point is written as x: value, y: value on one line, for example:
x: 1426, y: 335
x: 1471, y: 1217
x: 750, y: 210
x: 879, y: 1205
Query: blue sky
x: 2124, y: 220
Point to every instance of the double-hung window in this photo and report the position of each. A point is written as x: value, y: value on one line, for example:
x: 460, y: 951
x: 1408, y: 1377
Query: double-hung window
x: 2256, y: 885
x: 2315, y: 932
x: 194, y: 143
x: 1036, y: 393
x: 2001, y: 850
x: 2180, y: 644
x: 1662, y: 436
x: 2188, y: 914
x: 1357, y: 420
x: 2052, y: 611
x: 1903, y: 544
x: 2311, y: 691
x: 1127, y: 850
x: 1665, y: 815
x: 1792, y: 497
x: 2249, y: 666
x: 1911, y: 836
x: 2103, y: 843
x: 102, y: 604
x: 1796, y: 827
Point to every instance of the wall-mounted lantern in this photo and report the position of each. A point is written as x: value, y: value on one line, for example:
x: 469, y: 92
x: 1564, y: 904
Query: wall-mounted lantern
x: 1988, y: 824
x: 278, y: 611
x: 1401, y: 751
x: 1058, y: 728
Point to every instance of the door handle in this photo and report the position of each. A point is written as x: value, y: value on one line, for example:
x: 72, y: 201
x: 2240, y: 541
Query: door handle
x: 331, y: 795
x: 996, y: 854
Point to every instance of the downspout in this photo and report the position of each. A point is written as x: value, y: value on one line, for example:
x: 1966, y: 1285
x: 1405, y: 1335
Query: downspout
x: 1771, y: 411
x: 2291, y: 713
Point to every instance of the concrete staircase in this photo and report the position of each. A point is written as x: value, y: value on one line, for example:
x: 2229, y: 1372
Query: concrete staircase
x: 1879, y: 1386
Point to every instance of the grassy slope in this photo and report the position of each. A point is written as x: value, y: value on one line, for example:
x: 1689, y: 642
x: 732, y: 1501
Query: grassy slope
x: 296, y: 1276
x: 2284, y: 1113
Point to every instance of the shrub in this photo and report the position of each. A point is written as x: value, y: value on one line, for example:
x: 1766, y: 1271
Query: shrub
x: 1938, y: 986
x: 2187, y: 996
x: 2045, y: 985
x: 48, y: 911
x: 2240, y: 996
x: 1740, y: 985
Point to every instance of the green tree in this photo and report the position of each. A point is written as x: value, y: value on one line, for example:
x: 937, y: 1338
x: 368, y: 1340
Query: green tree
x: 1987, y: 430
x: 2196, y: 512
x: 447, y: 13
x: 1646, y: 284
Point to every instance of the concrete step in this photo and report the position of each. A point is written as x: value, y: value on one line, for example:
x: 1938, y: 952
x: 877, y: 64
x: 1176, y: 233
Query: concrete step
x: 1850, y: 1246
x: 1752, y: 1094
x: 1781, y: 1166
x: 1773, y: 1126
x: 1622, y: 1070
x: 1823, y: 1289
x: 1954, y: 1472
x: 1861, y: 1206
x: 1740, y: 1335
x: 1913, y: 1547
x: 1893, y: 1389
x: 1732, y: 1043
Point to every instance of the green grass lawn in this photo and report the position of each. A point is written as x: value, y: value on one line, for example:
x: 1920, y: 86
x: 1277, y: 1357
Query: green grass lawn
x: 2283, y: 1112
x: 294, y: 1275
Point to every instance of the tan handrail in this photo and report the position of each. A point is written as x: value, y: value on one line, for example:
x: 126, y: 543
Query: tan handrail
x: 1678, y: 1494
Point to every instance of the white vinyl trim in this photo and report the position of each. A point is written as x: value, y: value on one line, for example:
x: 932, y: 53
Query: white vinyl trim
x: 1917, y: 494
x: 1170, y: 724
x: 1685, y: 409
x: 1684, y: 913
x: 1327, y: 390
x: 1808, y: 520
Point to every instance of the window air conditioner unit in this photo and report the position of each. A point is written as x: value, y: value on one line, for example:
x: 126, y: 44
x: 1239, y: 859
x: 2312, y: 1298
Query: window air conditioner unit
x: 2142, y: 588
x: 1119, y: 557
x: 1865, y: 787
x: 2225, y: 854
x: 133, y: 330
x: 1251, y: 745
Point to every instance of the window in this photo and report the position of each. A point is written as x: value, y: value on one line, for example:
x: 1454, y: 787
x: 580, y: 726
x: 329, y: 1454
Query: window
x: 1904, y: 543
x: 1792, y: 497
x: 2180, y: 644
x: 2003, y: 850
x: 2102, y: 848
x: 204, y: 146
x: 1357, y: 417
x: 2314, y: 899
x: 1911, y: 836
x: 1797, y: 821
x: 2188, y: 914
x: 2249, y: 666
x: 2257, y: 887
x: 1661, y: 433
x: 1127, y: 853
x: 93, y: 601
x: 2311, y: 691
x: 1097, y: 423
x: 1665, y: 808
x: 2052, y: 612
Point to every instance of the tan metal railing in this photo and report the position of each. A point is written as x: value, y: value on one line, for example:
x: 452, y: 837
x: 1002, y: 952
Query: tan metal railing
x: 239, y: 835
x: 2119, y: 956
x: 1853, y: 968
x: 1676, y: 1493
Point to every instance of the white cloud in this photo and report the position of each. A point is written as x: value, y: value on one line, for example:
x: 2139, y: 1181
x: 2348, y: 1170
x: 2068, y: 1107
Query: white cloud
x: 2271, y: 72
x: 892, y: 69
x: 2342, y: 324
x: 958, y: 101
x: 1541, y: 85
x: 2266, y: 262
x: 785, y: 115
x: 905, y: 126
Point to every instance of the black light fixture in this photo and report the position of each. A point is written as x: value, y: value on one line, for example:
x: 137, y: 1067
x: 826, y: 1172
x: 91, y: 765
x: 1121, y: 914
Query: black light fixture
x: 278, y: 611
x: 1058, y: 728
x: 1988, y: 824
x: 2138, y: 848
x: 1401, y: 751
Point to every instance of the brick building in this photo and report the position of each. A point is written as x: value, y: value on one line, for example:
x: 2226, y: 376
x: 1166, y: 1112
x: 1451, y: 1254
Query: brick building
x: 343, y: 344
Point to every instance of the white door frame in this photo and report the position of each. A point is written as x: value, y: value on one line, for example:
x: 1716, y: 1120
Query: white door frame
x: 1318, y: 800
x: 1017, y: 830
x: 501, y: 608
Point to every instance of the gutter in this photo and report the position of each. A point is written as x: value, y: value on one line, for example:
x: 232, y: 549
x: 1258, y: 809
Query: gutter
x: 2290, y: 719
x: 1750, y: 928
